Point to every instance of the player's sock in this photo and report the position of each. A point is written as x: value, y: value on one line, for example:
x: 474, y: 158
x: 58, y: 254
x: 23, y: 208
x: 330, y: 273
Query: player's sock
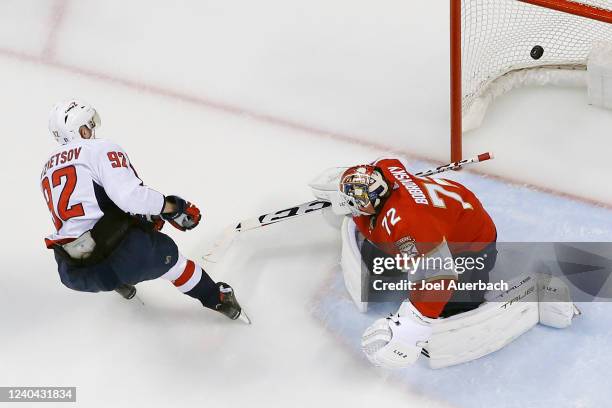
x: 192, y: 280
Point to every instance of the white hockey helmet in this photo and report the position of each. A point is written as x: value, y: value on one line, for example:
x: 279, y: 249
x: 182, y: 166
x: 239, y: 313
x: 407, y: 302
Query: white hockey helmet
x: 67, y: 117
x: 363, y: 189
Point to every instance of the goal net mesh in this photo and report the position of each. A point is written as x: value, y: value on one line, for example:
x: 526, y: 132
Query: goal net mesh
x: 499, y: 35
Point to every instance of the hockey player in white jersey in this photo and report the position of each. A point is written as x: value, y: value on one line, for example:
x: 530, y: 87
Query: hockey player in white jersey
x: 107, y: 222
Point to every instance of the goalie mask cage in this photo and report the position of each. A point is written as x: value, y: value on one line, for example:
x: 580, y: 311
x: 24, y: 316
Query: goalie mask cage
x: 497, y: 45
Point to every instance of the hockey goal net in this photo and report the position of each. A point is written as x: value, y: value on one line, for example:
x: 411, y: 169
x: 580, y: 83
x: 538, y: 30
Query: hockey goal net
x: 497, y: 45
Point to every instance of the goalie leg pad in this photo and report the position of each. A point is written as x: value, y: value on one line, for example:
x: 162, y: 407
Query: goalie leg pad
x: 490, y: 327
x: 556, y: 307
x: 352, y: 267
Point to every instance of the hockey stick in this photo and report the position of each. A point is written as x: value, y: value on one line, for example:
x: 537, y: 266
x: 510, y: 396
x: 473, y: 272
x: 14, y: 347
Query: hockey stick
x: 456, y: 165
x: 231, y: 233
x: 221, y: 245
x: 272, y: 218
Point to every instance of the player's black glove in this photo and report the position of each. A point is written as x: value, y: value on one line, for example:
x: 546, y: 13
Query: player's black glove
x: 186, y: 216
x: 151, y: 222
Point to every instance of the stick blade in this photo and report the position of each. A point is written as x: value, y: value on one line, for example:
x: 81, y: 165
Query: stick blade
x: 221, y: 245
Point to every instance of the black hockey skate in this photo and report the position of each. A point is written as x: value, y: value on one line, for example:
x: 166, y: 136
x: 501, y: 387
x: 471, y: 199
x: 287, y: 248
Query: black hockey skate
x: 228, y: 305
x: 126, y: 291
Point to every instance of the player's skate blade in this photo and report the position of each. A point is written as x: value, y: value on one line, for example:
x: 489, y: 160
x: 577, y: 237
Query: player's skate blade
x: 126, y: 291
x: 228, y: 305
x: 243, y: 317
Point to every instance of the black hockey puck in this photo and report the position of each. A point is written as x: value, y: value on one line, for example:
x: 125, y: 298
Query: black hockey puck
x: 537, y: 52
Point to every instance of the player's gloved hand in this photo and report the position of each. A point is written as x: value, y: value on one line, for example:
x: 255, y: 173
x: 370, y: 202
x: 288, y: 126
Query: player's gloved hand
x: 155, y: 222
x: 397, y: 341
x: 186, y: 216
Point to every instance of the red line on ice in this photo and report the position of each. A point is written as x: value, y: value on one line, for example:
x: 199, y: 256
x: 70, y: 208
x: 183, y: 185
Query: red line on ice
x: 58, y: 11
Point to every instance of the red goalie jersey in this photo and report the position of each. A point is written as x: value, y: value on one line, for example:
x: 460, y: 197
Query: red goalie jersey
x: 427, y: 211
x: 422, y: 215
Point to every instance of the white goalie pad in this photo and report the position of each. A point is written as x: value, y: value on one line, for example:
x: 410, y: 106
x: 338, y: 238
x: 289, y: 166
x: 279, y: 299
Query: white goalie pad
x: 531, y: 299
x: 351, y: 264
x: 556, y: 308
x: 488, y: 328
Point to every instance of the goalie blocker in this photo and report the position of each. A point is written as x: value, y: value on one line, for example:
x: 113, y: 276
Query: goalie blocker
x: 397, y: 341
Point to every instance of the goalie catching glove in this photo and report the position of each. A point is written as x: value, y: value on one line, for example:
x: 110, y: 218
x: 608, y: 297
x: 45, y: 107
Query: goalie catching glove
x: 397, y: 341
x: 185, y: 216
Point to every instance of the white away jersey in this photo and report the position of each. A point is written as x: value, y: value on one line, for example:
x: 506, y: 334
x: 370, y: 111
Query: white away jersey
x: 84, y: 177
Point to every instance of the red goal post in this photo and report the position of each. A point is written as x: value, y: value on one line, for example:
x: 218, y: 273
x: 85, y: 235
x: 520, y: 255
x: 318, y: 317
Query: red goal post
x: 490, y: 39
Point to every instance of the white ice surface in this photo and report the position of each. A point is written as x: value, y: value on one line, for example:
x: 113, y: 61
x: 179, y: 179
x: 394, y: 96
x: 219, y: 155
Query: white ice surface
x: 375, y: 72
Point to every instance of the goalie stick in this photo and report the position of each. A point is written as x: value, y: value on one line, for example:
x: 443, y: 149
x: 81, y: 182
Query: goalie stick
x: 222, y: 244
x: 456, y: 165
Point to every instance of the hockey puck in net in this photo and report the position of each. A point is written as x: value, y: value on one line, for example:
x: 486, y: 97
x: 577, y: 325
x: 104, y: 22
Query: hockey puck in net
x: 537, y: 52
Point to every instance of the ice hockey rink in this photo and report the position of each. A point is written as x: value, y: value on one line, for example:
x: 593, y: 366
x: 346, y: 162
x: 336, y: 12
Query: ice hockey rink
x: 236, y: 106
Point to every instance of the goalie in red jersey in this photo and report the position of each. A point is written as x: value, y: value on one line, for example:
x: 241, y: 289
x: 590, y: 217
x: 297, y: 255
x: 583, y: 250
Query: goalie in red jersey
x: 401, y: 214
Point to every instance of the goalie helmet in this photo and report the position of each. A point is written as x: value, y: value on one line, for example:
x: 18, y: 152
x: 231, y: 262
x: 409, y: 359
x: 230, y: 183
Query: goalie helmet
x: 363, y: 188
x: 67, y: 117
